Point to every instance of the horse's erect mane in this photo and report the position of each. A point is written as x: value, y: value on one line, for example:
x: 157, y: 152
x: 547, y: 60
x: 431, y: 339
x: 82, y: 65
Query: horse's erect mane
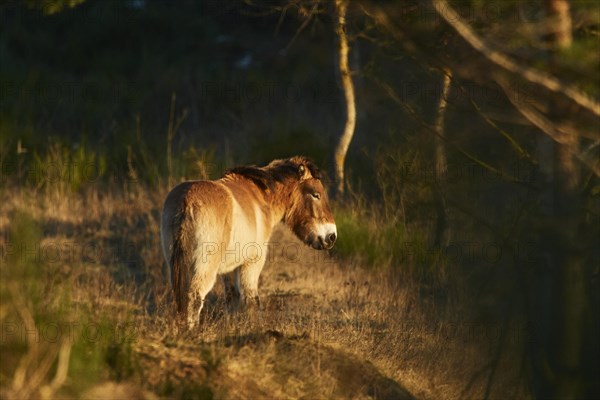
x: 276, y: 171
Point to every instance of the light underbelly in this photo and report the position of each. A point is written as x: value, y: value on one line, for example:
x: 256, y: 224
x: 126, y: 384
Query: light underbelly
x: 247, y: 241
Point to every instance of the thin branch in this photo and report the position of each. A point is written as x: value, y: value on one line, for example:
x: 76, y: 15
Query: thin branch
x: 520, y: 150
x: 281, y: 18
x: 32, y: 353
x: 495, y: 230
x: 546, y: 126
x: 39, y: 374
x: 441, y: 161
x: 304, y: 24
x: 502, y: 60
x: 411, y: 111
x: 62, y: 370
x: 440, y: 150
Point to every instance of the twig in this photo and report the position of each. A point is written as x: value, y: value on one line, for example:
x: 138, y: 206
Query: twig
x: 411, y: 111
x: 504, y: 61
x: 62, y: 370
x: 39, y: 374
x: 522, y: 152
x: 440, y: 151
x: 27, y: 319
x: 546, y: 126
x: 304, y: 24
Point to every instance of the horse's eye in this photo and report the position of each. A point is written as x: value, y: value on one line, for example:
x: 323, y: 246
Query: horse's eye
x: 316, y: 195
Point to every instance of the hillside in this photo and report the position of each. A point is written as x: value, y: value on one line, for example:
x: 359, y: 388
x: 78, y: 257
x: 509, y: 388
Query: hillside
x: 326, y: 328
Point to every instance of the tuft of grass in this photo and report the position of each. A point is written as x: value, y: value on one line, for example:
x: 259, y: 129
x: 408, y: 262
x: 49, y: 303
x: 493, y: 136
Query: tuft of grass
x: 64, y: 169
x: 380, y: 243
x: 50, y: 336
x: 359, y: 237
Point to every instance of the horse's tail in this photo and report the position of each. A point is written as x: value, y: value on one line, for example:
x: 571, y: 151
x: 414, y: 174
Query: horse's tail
x: 181, y: 258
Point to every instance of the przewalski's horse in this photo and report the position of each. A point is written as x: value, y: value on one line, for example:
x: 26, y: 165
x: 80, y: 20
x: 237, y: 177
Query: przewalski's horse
x: 216, y: 227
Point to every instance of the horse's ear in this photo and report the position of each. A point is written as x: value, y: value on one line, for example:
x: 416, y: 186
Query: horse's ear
x: 303, y: 172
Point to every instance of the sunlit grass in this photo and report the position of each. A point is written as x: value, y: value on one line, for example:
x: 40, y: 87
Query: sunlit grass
x: 322, y: 318
x: 44, y: 329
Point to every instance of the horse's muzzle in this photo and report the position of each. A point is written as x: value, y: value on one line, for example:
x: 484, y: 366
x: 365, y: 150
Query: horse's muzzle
x: 325, y: 238
x: 328, y: 241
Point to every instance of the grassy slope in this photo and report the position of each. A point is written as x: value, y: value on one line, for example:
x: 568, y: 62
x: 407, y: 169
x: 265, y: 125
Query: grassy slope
x: 327, y: 328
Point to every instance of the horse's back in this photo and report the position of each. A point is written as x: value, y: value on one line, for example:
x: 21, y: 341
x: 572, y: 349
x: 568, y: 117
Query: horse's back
x: 195, y: 194
x: 201, y: 208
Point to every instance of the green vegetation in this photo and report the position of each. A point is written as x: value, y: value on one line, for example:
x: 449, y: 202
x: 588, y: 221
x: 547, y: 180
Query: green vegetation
x: 43, y: 323
x: 380, y: 243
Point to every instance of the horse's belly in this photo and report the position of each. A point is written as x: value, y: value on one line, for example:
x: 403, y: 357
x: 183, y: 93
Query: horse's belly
x: 244, y: 241
x: 243, y: 249
x: 225, y: 268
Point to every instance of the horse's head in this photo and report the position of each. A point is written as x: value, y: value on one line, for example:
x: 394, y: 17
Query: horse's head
x: 308, y: 214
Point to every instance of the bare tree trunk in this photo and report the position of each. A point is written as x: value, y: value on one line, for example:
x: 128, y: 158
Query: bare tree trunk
x: 558, y: 23
x: 348, y: 88
x: 572, y: 296
x: 441, y: 162
x: 563, y: 352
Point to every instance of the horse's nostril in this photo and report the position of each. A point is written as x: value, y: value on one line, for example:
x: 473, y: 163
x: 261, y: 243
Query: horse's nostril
x: 332, y: 238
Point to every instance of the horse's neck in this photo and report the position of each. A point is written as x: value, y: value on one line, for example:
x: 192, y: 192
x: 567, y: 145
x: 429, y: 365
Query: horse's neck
x: 279, y: 202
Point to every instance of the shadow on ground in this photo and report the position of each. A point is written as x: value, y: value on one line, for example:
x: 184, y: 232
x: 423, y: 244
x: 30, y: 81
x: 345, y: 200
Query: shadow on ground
x: 299, y: 357
x: 282, y: 367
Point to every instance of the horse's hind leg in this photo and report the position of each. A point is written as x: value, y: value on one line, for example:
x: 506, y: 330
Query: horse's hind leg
x: 231, y: 286
x: 203, y: 282
x: 195, y: 305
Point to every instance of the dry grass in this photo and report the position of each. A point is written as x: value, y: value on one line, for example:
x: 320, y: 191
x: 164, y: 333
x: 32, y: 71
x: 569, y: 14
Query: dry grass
x: 326, y: 328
